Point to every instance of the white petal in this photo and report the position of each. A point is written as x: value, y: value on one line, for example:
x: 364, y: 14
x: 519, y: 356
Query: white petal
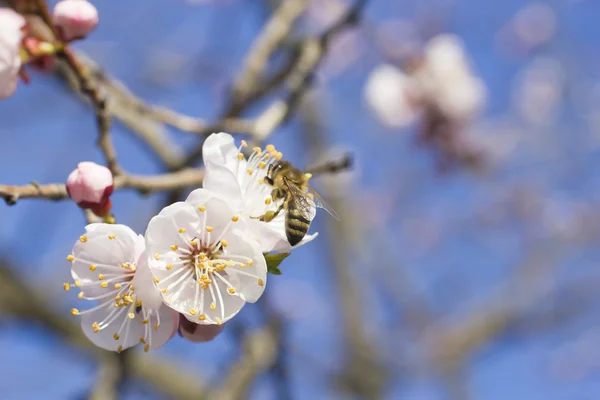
x: 104, y: 253
x: 145, y: 288
x: 169, y: 321
x: 250, y: 281
x: 163, y: 229
x: 221, y: 167
x: 227, y: 305
x: 104, y: 338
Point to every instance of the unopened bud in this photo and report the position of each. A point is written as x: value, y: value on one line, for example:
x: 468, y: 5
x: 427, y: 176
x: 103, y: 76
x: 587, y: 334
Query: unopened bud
x: 75, y: 19
x: 90, y: 186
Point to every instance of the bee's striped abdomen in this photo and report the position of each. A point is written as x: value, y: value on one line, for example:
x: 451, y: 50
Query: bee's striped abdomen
x: 296, y: 225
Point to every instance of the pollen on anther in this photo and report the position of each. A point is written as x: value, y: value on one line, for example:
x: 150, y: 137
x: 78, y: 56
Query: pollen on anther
x: 96, y: 327
x: 146, y: 321
x: 80, y: 295
x: 261, y: 282
x: 104, y: 284
x: 163, y: 291
x: 231, y: 290
x: 83, y: 238
x: 270, y: 148
x: 193, y: 311
x: 112, y: 237
x: 219, y: 321
x: 92, y: 267
x: 201, y: 208
x: 119, y: 349
x: 142, y: 340
x: 209, y: 229
x: 268, y: 201
x: 213, y: 306
x: 77, y: 283
x: 116, y: 336
x: 100, y: 277
x: 235, y: 218
x: 249, y: 171
x: 202, y: 317
x: 74, y: 311
x: 181, y: 230
x: 70, y: 258
x: 169, y: 267
x: 146, y: 348
x: 194, y: 242
x: 249, y: 263
x: 156, y: 280
x: 261, y: 181
x: 279, y: 155
x: 262, y: 164
x: 156, y: 326
x: 67, y: 286
x: 174, y: 247
x: 118, y: 286
x: 156, y: 256
x: 224, y: 243
x: 240, y: 156
x: 131, y: 315
x: 244, y: 143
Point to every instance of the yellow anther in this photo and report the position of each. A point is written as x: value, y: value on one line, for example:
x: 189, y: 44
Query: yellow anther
x: 261, y: 282
x: 112, y: 237
x: 278, y: 156
x: 118, y: 285
x: 249, y: 263
x: 211, y: 270
x: 156, y: 325
x: 77, y: 283
x: 213, y: 306
x: 146, y: 321
x: 181, y: 230
x: 70, y: 258
x: 270, y: 148
x: 174, y: 247
x: 193, y: 311
x: 146, y: 348
x: 80, y: 295
x: 244, y: 143
x: 224, y: 243
x: 163, y: 291
x: 83, y: 238
x: 67, y: 286
x: 96, y: 327
x: 262, y: 164
x: 257, y: 150
x: 132, y: 267
x: 249, y: 171
x: 100, y: 277
x: 242, y: 265
x: 208, y: 282
x: 220, y: 267
x: 127, y: 298
x: 202, y: 317
x: 119, y: 349
x: 266, y: 156
x: 156, y: 280
x: 116, y: 336
x: 204, y: 287
x: 202, y: 256
x: 138, y: 303
x: 235, y: 218
x: 204, y: 277
x: 268, y: 201
x: 209, y: 229
x: 194, y: 242
x: 210, y: 263
x: 117, y: 298
x: 142, y: 340
x: 218, y: 321
x: 169, y: 267
x: 104, y: 284
x: 231, y: 290
x: 92, y: 267
x: 74, y: 311
x: 156, y: 256
x: 125, y: 265
x: 131, y: 287
x: 201, y: 208
x: 240, y: 156
x: 131, y: 315
x: 261, y: 181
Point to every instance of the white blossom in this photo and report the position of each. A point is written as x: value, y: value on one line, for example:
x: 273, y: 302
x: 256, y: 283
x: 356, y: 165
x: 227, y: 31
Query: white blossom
x: 204, y: 265
x: 390, y: 94
x: 109, y: 266
x: 241, y: 182
x: 11, y: 36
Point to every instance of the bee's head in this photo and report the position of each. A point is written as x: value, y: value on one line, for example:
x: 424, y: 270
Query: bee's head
x: 279, y: 166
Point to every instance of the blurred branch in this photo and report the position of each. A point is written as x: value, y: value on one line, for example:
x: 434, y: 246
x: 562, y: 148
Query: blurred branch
x: 144, y: 184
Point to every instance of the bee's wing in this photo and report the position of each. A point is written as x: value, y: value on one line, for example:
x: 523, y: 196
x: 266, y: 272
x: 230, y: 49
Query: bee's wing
x: 320, y: 203
x: 302, y: 201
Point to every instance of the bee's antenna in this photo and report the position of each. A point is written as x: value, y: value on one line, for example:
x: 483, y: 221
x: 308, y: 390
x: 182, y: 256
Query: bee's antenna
x: 334, y: 166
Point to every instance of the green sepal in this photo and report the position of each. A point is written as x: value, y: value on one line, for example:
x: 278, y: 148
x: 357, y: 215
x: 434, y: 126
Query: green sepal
x: 273, y: 260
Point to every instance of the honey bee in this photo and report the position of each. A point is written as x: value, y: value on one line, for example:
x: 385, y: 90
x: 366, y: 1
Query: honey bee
x: 300, y: 200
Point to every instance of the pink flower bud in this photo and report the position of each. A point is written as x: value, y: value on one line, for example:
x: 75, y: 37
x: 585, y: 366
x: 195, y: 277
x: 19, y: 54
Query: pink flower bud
x: 90, y: 186
x: 198, y: 333
x: 11, y: 36
x: 75, y: 19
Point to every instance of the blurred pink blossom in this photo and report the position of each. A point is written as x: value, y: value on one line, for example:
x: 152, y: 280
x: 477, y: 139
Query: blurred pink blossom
x: 75, y: 19
x: 198, y: 333
x: 90, y: 185
x: 11, y: 36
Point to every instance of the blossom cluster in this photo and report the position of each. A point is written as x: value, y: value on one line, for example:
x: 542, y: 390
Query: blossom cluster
x: 200, y: 260
x: 72, y: 20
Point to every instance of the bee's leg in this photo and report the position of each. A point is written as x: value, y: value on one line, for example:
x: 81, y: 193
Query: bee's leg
x: 270, y: 215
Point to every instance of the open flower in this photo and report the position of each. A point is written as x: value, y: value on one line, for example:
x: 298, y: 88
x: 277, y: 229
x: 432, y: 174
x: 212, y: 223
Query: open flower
x: 205, y: 268
x: 241, y: 182
x: 11, y: 36
x: 109, y: 266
